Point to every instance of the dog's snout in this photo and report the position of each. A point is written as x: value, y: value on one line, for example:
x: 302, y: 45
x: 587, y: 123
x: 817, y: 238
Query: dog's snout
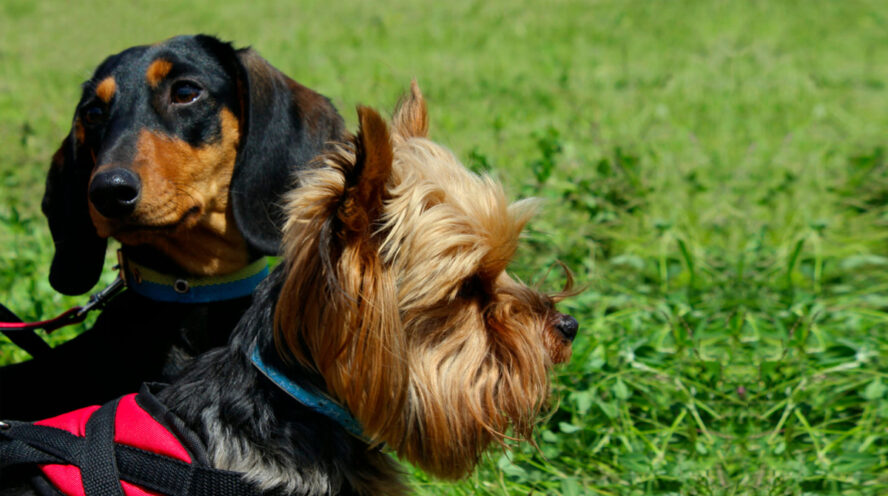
x: 567, y: 326
x: 115, y: 192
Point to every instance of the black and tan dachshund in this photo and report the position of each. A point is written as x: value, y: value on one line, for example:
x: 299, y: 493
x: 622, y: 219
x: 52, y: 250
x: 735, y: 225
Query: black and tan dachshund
x: 180, y: 151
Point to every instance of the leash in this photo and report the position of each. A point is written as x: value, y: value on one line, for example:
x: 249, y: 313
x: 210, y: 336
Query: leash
x: 22, y: 333
x: 146, y: 282
x: 73, y: 315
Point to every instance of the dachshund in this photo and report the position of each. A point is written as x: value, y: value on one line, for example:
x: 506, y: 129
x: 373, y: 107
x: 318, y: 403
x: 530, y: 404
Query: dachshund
x: 180, y: 151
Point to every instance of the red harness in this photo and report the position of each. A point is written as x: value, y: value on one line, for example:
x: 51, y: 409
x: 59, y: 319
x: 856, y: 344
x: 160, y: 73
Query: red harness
x: 133, y: 427
x: 132, y: 446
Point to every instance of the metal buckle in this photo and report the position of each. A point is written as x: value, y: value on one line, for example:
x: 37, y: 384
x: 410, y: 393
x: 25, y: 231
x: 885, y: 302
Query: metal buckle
x: 181, y: 286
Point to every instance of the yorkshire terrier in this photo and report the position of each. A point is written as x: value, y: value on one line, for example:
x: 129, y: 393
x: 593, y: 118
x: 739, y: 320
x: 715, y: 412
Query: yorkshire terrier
x: 390, y: 326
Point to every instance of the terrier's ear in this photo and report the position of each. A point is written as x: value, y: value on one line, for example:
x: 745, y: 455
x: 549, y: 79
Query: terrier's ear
x: 338, y: 311
x: 411, y: 116
x: 365, y: 184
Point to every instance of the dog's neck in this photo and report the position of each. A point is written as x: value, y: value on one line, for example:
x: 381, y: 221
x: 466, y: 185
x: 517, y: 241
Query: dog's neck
x: 269, y: 364
x: 213, y: 246
x: 156, y: 259
x: 251, y: 425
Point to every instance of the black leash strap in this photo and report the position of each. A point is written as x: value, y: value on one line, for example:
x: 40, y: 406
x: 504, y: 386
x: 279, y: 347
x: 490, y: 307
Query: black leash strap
x: 23, y: 335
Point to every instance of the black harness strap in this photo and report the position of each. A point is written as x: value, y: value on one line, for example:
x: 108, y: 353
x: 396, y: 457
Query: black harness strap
x: 171, y: 476
x: 98, y: 462
x: 15, y: 452
x: 47, y: 441
x: 25, y: 443
x: 155, y: 472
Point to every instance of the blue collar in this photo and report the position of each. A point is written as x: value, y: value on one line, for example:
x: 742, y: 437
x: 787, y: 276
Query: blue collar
x: 164, y: 287
x: 314, y: 400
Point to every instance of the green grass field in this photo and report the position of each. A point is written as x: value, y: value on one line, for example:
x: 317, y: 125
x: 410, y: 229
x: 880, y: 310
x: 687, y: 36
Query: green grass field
x: 715, y: 174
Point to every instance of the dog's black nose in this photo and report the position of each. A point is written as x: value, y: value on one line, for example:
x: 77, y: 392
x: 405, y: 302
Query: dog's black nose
x: 567, y: 326
x: 115, y: 192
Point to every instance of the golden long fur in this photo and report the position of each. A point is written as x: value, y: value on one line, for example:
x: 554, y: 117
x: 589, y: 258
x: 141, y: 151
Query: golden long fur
x: 408, y: 313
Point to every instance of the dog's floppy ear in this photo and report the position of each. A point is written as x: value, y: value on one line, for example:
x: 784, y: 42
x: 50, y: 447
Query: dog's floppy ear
x: 283, y: 126
x: 79, y: 251
x: 411, y: 115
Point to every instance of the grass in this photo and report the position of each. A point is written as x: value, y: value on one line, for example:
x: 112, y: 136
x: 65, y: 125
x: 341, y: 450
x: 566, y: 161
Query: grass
x: 715, y: 173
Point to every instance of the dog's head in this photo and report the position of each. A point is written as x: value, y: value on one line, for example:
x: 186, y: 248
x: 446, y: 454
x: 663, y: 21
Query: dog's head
x: 184, y: 147
x: 397, y: 295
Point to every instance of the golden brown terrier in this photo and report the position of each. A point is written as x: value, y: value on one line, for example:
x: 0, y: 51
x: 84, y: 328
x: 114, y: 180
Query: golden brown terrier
x: 391, y: 326
x: 408, y: 313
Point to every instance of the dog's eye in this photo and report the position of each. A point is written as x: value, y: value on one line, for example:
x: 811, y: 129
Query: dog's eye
x: 93, y: 114
x: 184, y: 92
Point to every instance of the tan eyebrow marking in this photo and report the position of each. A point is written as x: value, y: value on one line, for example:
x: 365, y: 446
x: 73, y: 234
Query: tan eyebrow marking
x: 105, y: 90
x: 157, y: 71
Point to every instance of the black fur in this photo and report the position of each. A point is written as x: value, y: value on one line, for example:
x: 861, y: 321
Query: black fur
x: 307, y: 126
x: 283, y: 124
x: 221, y: 391
x: 252, y: 409
x: 79, y: 251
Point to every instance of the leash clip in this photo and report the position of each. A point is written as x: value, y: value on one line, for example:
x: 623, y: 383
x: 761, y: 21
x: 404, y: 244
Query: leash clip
x: 71, y: 316
x: 23, y: 335
x: 98, y: 300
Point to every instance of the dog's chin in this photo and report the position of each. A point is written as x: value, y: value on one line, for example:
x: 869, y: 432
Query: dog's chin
x: 563, y: 354
x: 142, y: 228
x: 558, y: 347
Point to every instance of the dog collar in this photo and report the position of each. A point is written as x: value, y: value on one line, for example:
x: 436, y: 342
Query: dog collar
x: 314, y: 400
x: 169, y: 288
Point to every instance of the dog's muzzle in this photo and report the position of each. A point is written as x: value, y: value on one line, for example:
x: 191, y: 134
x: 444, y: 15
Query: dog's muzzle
x: 567, y: 326
x: 115, y: 192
